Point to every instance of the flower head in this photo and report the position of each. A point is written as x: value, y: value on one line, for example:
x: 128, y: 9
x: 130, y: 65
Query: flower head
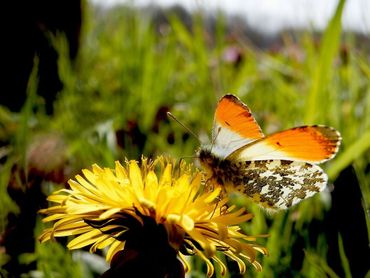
x: 134, y: 210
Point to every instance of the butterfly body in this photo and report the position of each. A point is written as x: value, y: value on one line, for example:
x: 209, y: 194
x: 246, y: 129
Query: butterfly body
x: 275, y: 171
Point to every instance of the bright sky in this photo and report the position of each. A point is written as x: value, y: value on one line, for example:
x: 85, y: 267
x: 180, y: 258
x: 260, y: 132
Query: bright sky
x: 272, y: 15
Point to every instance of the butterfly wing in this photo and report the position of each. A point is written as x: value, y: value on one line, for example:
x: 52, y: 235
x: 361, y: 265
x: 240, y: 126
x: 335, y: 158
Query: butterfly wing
x: 234, y: 126
x: 276, y: 171
x: 314, y: 144
x: 277, y: 184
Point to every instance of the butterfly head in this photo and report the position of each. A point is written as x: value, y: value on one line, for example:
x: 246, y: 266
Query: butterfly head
x: 207, y: 159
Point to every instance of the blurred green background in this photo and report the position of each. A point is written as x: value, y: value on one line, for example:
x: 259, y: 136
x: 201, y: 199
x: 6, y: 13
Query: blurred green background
x: 132, y: 66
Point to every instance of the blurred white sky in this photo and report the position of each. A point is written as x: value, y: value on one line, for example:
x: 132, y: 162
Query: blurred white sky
x: 273, y: 15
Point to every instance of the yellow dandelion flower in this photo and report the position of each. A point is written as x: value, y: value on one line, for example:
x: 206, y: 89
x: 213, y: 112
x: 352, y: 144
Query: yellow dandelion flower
x: 147, y: 216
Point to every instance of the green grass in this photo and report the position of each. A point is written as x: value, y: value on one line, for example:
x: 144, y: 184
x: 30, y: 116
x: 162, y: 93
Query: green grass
x: 127, y: 70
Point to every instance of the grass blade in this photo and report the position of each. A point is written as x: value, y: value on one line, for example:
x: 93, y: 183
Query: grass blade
x: 321, y: 74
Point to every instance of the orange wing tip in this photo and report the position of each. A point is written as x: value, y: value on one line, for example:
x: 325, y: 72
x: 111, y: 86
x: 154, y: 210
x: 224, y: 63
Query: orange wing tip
x: 330, y: 133
x: 329, y: 139
x: 231, y: 105
x: 233, y: 114
x: 316, y: 144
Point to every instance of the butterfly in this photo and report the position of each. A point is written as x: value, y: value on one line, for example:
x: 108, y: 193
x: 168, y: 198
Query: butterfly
x: 276, y: 171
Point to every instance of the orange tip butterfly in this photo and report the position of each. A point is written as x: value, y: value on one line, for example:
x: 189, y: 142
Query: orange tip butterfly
x: 276, y: 171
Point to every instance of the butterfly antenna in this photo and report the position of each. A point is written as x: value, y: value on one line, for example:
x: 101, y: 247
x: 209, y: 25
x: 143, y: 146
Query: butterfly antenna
x: 215, y: 138
x: 170, y: 115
